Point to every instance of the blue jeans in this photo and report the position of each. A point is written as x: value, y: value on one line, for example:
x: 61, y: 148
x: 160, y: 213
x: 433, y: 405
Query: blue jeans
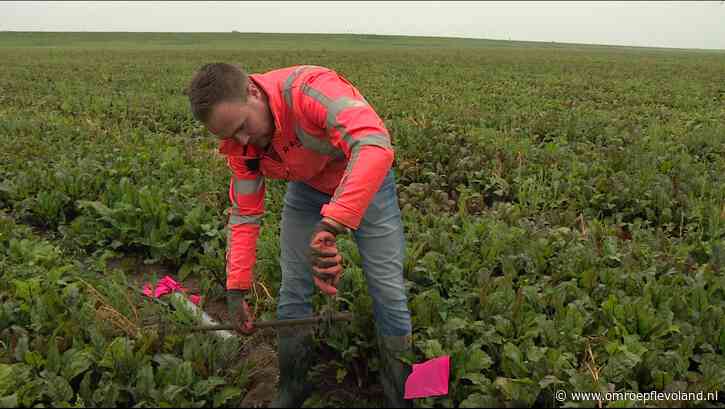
x: 381, y: 244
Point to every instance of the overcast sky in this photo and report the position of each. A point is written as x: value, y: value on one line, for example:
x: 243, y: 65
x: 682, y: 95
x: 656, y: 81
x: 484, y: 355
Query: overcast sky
x: 683, y: 24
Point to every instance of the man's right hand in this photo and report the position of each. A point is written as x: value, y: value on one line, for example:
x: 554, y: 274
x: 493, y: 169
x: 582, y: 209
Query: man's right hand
x: 239, y: 312
x: 325, y: 258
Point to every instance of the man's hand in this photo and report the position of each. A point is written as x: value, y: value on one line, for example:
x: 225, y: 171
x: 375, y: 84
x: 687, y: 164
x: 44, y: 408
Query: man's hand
x: 239, y: 312
x: 326, y: 260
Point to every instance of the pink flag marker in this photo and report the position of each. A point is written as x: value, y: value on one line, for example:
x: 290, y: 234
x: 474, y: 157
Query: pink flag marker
x: 165, y: 286
x: 429, y: 378
x: 147, y: 290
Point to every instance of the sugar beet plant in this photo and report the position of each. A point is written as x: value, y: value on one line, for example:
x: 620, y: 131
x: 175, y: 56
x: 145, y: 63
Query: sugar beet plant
x: 71, y: 338
x: 564, y: 209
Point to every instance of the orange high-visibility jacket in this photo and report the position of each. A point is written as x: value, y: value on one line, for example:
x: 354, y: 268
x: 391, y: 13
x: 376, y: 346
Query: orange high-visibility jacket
x: 327, y: 136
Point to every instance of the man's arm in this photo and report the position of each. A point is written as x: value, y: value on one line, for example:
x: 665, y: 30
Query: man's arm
x: 352, y: 126
x: 246, y: 193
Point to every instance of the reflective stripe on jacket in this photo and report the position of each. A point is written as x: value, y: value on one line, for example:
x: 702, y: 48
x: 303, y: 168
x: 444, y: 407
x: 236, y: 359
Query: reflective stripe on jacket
x: 327, y: 136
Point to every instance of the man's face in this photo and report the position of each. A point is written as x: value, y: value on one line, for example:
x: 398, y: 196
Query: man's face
x: 248, y: 123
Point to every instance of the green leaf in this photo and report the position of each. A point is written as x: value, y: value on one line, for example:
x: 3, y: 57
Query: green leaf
x: 53, y: 359
x: 432, y: 348
x: 205, y: 387
x: 10, y: 401
x: 145, y: 381
x: 341, y: 374
x: 6, y: 189
x: 479, y: 400
x: 455, y: 324
x: 34, y: 359
x: 223, y: 396
x: 523, y: 389
x: 620, y: 365
x: 99, y: 207
x: 185, y: 271
x: 550, y: 380
x: 59, y: 389
x: 167, y: 368
x: 7, y: 379
x: 512, y: 361
x: 478, y: 379
x: 661, y: 379
x: 167, y: 360
x: 589, y: 278
x: 171, y: 392
x: 107, y: 394
x: 31, y: 392
x: 118, y: 355
x: 536, y: 354
x: 86, y: 389
x: 477, y: 360
x: 75, y: 362
x: 184, y: 375
x: 184, y: 247
x: 425, y: 308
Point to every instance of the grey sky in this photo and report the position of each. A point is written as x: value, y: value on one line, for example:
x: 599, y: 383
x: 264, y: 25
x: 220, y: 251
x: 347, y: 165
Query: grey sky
x: 682, y: 24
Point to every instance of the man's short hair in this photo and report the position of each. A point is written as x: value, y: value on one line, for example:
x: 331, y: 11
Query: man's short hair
x: 215, y: 83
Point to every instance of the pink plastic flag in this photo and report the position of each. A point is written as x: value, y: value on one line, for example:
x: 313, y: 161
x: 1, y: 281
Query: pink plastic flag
x: 147, y: 290
x: 429, y: 378
x: 165, y: 286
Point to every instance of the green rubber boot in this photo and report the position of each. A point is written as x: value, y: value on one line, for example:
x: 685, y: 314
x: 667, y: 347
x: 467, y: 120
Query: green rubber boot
x: 295, y: 354
x: 393, y: 371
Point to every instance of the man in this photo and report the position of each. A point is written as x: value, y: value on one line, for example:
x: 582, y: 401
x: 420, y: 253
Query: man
x: 310, y: 126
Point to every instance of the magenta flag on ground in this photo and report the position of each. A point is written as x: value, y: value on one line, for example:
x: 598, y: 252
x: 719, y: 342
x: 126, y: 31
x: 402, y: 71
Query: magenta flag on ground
x: 165, y: 286
x: 429, y: 378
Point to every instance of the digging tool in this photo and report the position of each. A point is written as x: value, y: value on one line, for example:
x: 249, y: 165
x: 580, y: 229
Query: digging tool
x: 327, y: 317
x: 339, y: 316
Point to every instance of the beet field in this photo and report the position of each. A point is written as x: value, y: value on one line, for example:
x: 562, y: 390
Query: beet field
x: 564, y: 208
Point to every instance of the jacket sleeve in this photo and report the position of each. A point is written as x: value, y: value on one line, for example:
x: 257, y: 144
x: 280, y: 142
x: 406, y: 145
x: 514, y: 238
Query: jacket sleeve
x: 246, y: 193
x: 352, y: 126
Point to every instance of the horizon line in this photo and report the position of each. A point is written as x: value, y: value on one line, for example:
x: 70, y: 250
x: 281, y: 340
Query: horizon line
x: 510, y: 40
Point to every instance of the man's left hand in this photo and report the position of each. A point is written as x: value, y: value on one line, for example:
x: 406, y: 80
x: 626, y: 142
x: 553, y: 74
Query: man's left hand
x: 239, y: 311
